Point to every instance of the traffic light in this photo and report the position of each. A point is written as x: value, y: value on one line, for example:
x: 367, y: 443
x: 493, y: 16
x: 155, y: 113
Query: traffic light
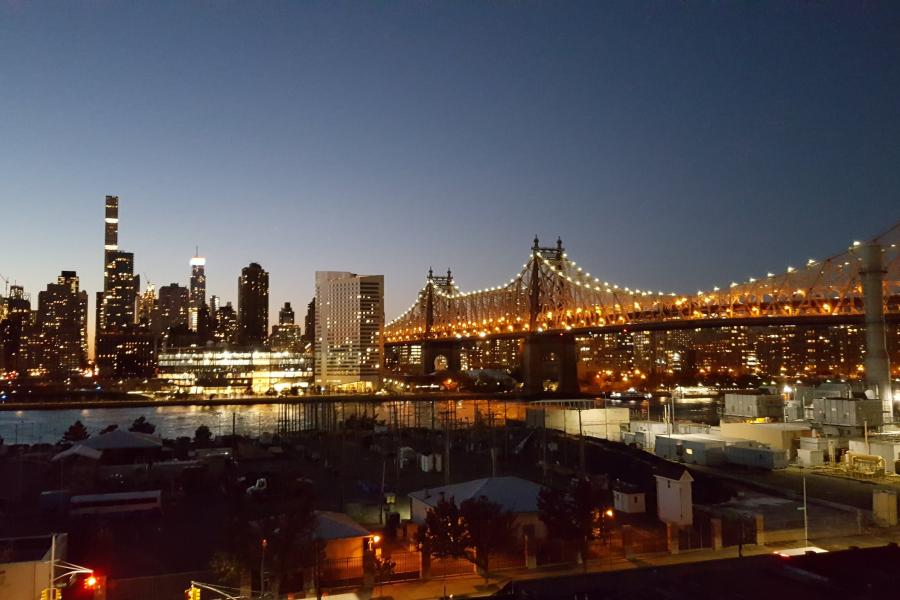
x: 51, y: 594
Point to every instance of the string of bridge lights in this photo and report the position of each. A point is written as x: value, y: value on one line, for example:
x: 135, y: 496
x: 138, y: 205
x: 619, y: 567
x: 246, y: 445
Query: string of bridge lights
x: 594, y: 284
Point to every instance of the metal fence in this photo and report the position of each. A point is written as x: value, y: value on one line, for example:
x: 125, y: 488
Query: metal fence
x: 338, y: 572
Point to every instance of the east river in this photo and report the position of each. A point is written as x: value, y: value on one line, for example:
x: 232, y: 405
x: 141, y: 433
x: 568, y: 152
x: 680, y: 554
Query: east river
x: 48, y: 426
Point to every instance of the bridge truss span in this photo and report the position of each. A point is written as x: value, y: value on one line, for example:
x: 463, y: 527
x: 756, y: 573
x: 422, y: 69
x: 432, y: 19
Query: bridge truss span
x: 552, y: 293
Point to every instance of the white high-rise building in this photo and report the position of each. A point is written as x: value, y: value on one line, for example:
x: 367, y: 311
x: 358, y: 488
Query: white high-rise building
x: 349, y: 321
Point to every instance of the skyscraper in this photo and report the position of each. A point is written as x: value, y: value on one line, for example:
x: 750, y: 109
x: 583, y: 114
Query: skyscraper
x: 198, y: 290
x: 172, y: 307
x: 116, y: 303
x: 226, y: 329
x: 122, y: 349
x: 349, y: 320
x: 253, y: 305
x: 58, y: 340
x: 13, y: 329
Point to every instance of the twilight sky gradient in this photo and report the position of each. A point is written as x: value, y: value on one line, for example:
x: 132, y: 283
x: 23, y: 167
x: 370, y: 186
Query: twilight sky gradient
x: 673, y: 145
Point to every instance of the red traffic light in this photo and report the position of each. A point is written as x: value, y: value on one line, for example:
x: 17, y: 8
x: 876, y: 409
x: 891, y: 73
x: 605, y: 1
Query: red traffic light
x: 91, y: 582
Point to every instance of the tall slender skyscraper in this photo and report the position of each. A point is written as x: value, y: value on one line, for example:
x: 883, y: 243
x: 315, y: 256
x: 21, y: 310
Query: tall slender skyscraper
x: 253, y: 305
x: 116, y: 303
x: 198, y: 290
x: 122, y: 348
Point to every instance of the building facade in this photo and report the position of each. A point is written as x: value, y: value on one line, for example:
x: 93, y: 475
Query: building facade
x: 234, y: 372
x: 198, y: 291
x: 286, y: 335
x: 57, y: 342
x: 253, y: 306
x: 349, y: 320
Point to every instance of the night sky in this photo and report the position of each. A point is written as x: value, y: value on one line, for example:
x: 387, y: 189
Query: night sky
x: 672, y: 145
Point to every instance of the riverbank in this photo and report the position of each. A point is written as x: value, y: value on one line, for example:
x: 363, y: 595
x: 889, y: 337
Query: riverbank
x: 139, y: 400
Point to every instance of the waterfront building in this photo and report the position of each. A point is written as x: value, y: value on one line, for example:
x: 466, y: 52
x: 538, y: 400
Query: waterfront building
x: 728, y: 353
x: 13, y: 329
x: 349, y: 321
x: 234, y: 372
x: 127, y: 352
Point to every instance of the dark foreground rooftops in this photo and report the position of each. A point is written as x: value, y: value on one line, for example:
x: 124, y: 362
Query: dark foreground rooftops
x: 848, y: 574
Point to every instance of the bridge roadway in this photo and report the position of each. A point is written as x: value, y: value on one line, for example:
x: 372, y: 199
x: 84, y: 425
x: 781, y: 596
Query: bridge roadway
x: 670, y: 325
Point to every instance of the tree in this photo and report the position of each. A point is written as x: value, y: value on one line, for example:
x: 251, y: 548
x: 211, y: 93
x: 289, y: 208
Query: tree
x: 444, y: 535
x: 142, y: 425
x: 489, y: 527
x: 286, y: 522
x: 202, y: 436
x: 574, y: 514
x: 75, y: 433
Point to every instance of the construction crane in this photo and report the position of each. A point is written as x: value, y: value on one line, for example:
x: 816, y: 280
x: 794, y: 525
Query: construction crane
x: 6, y: 284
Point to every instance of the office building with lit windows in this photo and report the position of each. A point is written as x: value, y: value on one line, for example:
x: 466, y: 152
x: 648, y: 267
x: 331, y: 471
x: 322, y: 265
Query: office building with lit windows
x: 234, y: 372
x: 57, y: 342
x: 349, y: 320
x: 122, y: 348
x: 198, y: 291
x: 253, y: 306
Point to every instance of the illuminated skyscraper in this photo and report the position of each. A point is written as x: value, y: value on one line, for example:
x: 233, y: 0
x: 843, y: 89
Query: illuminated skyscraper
x: 198, y: 290
x: 117, y: 336
x: 58, y: 341
x: 349, y: 321
x: 13, y: 328
x: 172, y: 307
x: 226, y: 328
x: 253, y: 305
x: 116, y: 303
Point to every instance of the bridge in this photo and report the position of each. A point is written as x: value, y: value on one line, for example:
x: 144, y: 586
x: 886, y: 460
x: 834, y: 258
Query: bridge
x: 553, y: 299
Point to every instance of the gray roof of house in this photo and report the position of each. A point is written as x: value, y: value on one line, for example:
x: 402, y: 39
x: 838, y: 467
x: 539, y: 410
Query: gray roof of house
x: 512, y: 493
x: 336, y: 526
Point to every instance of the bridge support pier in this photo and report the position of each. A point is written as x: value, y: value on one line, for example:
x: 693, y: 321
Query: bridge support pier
x: 538, y: 352
x: 432, y: 349
x: 878, y: 366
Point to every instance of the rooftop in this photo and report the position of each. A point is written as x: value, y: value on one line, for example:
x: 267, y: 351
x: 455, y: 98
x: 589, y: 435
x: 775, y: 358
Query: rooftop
x: 512, y: 493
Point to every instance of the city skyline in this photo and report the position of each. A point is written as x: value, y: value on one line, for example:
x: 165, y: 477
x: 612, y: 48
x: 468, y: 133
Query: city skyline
x: 449, y: 146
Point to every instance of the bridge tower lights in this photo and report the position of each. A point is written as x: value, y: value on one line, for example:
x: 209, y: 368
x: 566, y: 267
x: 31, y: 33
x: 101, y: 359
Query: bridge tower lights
x: 878, y: 367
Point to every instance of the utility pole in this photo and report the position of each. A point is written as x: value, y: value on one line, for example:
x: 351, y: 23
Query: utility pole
x: 52, y: 563
x: 262, y: 570
x: 581, y: 462
x: 804, y: 509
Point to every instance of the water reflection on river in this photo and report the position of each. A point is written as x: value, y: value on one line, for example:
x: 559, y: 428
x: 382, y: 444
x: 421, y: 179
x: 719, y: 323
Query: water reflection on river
x: 48, y: 426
